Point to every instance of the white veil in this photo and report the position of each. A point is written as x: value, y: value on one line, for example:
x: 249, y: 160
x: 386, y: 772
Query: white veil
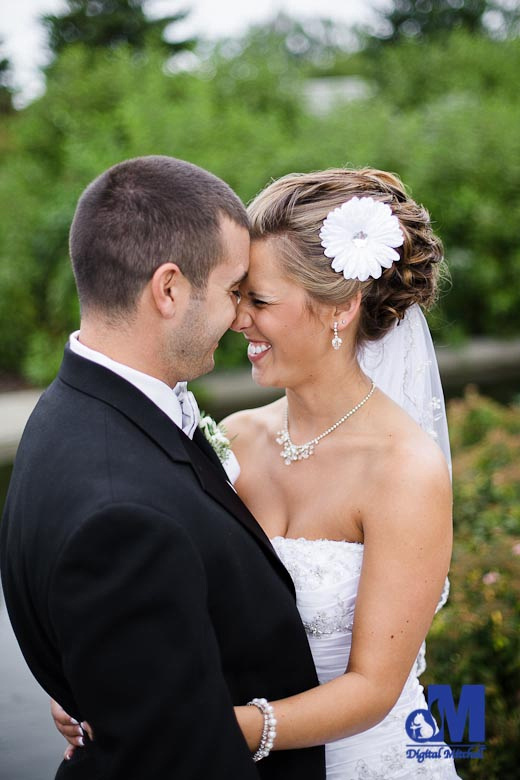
x: 403, y: 365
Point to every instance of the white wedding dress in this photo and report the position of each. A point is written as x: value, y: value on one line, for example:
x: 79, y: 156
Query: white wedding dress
x: 326, y: 577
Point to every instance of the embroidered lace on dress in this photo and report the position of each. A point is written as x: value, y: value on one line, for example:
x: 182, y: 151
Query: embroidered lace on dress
x: 321, y: 564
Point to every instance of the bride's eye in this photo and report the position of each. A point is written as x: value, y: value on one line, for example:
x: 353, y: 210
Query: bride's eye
x: 237, y: 294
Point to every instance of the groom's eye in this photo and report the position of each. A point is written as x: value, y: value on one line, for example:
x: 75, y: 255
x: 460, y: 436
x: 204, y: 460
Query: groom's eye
x: 258, y: 302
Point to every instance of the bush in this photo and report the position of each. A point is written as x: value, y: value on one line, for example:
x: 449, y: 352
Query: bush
x: 485, y: 437
x: 475, y: 638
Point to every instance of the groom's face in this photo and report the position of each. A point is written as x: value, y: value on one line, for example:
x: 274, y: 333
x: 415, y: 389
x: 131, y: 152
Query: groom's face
x: 210, y: 313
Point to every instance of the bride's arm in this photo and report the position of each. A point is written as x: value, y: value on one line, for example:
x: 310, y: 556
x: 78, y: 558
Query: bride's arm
x: 406, y: 558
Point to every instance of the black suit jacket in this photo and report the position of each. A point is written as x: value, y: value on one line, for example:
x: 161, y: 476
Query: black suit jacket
x: 144, y: 595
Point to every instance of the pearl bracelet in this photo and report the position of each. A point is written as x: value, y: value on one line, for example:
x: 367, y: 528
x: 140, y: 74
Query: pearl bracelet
x: 268, y: 732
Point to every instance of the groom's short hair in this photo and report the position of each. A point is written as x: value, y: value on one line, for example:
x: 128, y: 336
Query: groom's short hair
x: 140, y: 214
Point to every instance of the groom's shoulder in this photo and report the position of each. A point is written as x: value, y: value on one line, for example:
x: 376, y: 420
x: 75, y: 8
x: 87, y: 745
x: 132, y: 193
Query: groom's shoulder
x: 61, y: 408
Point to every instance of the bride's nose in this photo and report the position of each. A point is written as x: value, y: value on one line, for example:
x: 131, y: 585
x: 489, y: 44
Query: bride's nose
x: 243, y: 317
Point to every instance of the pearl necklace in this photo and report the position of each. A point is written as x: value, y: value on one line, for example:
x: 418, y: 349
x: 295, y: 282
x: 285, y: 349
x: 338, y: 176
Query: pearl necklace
x: 292, y: 452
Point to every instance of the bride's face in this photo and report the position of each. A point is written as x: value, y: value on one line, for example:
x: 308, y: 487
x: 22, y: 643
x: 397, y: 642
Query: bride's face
x: 288, y: 343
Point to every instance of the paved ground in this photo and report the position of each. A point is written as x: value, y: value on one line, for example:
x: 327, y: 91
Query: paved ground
x: 479, y: 361
x: 15, y: 408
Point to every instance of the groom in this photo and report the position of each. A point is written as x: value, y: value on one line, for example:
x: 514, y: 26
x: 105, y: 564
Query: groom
x: 145, y: 597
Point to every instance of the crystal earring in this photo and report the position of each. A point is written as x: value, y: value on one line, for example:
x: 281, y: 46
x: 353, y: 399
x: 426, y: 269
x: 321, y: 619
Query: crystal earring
x: 336, y: 341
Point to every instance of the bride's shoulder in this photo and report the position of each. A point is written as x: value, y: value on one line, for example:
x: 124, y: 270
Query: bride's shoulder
x: 409, y: 452
x: 411, y: 496
x: 251, y: 425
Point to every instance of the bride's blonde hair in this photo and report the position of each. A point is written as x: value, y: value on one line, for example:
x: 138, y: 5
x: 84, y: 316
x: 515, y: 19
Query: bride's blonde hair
x: 291, y: 210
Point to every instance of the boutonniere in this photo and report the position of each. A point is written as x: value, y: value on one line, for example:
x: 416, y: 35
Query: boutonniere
x: 215, y: 433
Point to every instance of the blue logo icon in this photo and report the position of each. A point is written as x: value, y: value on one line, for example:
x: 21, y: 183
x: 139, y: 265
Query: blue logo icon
x: 420, y: 726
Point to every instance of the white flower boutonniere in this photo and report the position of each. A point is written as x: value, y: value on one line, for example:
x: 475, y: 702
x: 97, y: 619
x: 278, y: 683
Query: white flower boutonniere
x: 216, y: 435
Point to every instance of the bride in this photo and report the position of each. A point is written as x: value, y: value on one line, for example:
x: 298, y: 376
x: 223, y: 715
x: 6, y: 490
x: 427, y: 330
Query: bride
x: 350, y: 485
x: 353, y: 494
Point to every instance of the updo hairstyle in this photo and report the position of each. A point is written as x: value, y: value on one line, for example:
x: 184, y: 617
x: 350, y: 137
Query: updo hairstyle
x: 292, y: 209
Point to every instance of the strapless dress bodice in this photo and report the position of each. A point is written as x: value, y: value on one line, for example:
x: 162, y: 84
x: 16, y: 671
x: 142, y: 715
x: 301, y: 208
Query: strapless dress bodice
x: 326, y: 578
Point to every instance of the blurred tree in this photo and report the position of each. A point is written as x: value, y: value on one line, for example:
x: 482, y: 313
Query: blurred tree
x: 446, y: 117
x: 110, y: 23
x: 444, y: 114
x: 431, y: 18
x: 310, y: 43
x: 234, y: 123
x: 6, y: 88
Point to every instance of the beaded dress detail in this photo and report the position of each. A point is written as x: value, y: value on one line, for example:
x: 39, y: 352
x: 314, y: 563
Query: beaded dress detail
x: 326, y: 577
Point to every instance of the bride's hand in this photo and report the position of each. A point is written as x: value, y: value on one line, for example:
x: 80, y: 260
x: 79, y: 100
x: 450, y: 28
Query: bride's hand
x: 73, y: 731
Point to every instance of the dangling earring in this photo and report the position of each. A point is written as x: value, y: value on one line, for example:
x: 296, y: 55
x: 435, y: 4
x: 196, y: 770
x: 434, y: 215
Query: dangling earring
x: 336, y: 341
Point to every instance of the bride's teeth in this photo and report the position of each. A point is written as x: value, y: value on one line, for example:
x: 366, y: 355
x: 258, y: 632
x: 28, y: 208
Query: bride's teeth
x: 256, y: 349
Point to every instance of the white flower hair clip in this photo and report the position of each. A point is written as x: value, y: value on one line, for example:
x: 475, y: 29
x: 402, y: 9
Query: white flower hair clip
x: 360, y: 236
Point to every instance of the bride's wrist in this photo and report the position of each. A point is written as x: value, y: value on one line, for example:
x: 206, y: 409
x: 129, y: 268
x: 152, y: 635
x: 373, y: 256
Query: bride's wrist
x: 268, y: 736
x: 251, y: 722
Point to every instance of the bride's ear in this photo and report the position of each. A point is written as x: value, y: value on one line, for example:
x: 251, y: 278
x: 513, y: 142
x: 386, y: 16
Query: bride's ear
x: 169, y: 289
x: 345, y: 313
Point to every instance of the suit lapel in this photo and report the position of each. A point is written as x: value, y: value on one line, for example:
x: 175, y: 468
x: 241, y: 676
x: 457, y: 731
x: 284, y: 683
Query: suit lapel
x: 101, y: 383
x: 214, y: 481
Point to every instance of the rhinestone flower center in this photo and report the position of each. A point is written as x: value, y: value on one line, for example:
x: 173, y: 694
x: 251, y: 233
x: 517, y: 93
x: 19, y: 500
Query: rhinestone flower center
x: 360, y: 238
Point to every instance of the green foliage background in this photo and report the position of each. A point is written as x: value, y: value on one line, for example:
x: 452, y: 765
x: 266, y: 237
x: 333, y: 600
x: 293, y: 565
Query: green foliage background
x: 444, y: 114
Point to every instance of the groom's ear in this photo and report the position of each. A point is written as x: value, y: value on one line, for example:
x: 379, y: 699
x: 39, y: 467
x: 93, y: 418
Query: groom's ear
x: 170, y: 290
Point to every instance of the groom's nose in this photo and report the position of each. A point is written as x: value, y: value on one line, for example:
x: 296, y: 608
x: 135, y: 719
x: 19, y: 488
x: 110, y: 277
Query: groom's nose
x: 243, y: 317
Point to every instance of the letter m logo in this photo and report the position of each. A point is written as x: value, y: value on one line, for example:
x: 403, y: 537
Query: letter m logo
x: 471, y: 711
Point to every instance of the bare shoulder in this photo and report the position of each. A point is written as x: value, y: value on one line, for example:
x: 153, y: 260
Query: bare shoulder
x: 422, y: 471
x: 412, y: 476
x: 420, y: 464
x: 407, y: 526
x: 251, y: 425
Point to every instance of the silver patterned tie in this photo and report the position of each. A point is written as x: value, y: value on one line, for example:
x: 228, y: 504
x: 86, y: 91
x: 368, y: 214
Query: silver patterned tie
x: 189, y: 408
